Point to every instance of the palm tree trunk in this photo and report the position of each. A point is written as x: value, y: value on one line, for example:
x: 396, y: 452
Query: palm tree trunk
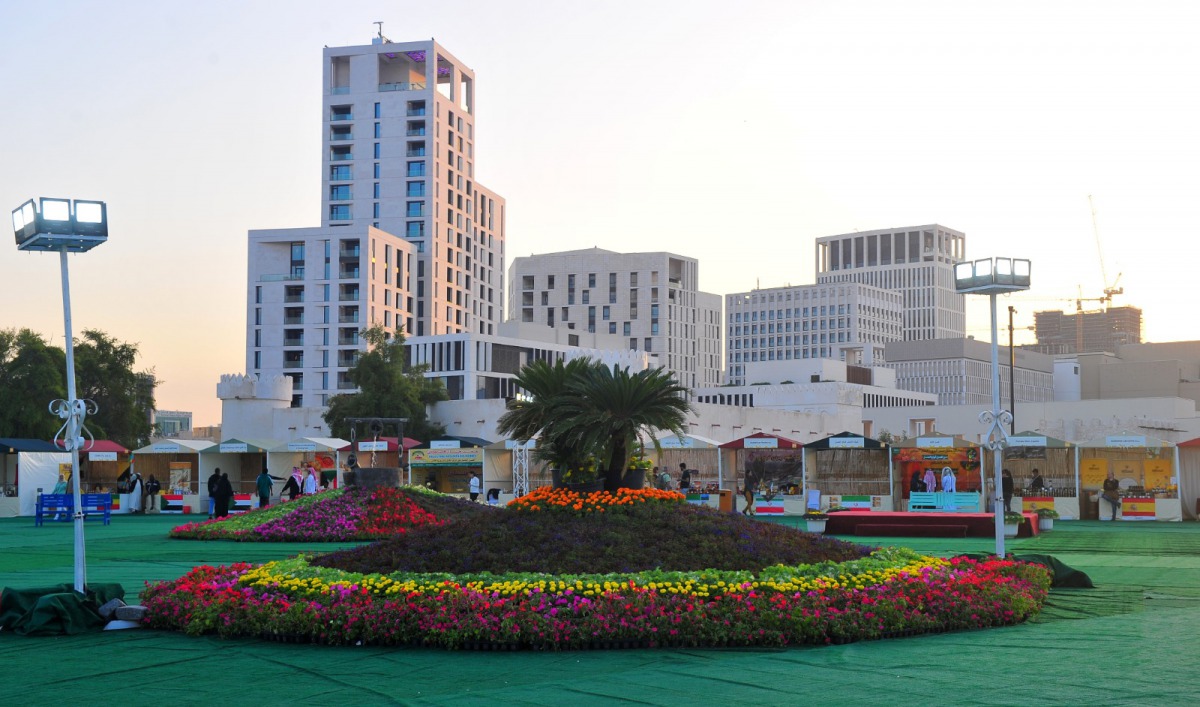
x: 616, y: 465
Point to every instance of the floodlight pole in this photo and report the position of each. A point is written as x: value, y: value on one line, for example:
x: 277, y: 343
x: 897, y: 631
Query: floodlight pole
x: 73, y: 438
x: 997, y: 439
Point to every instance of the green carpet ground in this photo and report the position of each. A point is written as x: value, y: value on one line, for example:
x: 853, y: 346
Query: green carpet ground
x: 1129, y: 641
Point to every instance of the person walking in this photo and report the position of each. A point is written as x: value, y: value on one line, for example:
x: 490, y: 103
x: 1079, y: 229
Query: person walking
x: 265, y: 484
x: 292, y: 487
x: 1006, y: 487
x: 223, y: 494
x: 310, y: 481
x: 475, y: 487
x: 212, y: 490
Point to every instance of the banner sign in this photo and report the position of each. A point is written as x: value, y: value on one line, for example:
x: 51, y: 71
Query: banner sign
x: 380, y: 446
x: 302, y: 446
x: 446, y: 457
x: 102, y: 456
x: 165, y: 447
x: 1028, y: 441
x: 681, y: 443
x: 234, y: 448
x: 444, y: 444
x: 761, y: 443
x: 1137, y: 508
x: 935, y: 442
x: 1125, y: 440
x: 847, y: 443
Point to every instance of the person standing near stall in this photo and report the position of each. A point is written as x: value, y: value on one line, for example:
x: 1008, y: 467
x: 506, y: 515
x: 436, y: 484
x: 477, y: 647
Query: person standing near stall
x: 265, y: 484
x: 152, y: 489
x: 310, y: 481
x: 475, y: 487
x: 212, y: 490
x: 930, y: 480
x: 1112, y: 493
x: 1006, y: 487
x: 221, y: 496
x: 292, y: 487
x: 685, y: 477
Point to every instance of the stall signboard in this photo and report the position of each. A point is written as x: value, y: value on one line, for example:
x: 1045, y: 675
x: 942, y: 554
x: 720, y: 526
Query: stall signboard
x: 760, y: 443
x: 302, y: 446
x: 1093, y: 472
x: 445, y: 444
x: 1141, y: 508
x: 102, y: 456
x: 165, y: 448
x: 446, y: 457
x: 1027, y: 441
x: 376, y: 446
x: 1125, y: 440
x: 926, y: 442
x: 847, y: 443
x: 1031, y: 504
x: 679, y: 443
x: 234, y: 448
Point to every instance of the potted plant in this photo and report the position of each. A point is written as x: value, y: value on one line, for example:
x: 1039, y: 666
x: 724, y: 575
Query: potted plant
x: 1012, y: 521
x: 583, y: 476
x: 816, y: 520
x: 635, y: 471
x: 1046, y: 518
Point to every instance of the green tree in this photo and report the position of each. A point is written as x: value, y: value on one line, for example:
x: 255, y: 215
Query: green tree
x: 387, y: 387
x: 529, y: 415
x: 125, y: 398
x: 611, y: 409
x: 32, y: 373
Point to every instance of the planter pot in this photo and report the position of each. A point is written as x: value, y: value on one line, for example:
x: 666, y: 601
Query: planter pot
x: 1045, y: 524
x: 1010, y: 530
x: 556, y: 480
x: 634, y: 478
x: 816, y: 526
x: 587, y: 486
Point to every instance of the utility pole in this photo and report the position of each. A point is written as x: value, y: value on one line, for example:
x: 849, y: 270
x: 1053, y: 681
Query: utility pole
x: 1012, y: 373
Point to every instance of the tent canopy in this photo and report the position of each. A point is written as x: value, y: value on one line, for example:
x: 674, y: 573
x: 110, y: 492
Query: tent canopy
x: 393, y: 444
x: 463, y: 442
x: 748, y: 442
x: 1125, y: 438
x: 101, y: 445
x: 312, y: 444
x: 12, y: 445
x: 1191, y: 443
x: 845, y: 440
x: 935, y: 439
x: 687, y: 441
x: 175, y: 446
x: 242, y: 446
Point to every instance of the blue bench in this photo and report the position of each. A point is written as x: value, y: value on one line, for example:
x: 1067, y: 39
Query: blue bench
x: 942, y: 502
x: 61, y: 507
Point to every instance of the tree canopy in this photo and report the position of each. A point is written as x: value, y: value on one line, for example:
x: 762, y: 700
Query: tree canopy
x: 34, y: 373
x: 584, y: 408
x: 387, y: 387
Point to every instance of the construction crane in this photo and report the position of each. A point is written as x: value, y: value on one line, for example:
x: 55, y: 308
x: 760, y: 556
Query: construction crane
x: 1109, y: 290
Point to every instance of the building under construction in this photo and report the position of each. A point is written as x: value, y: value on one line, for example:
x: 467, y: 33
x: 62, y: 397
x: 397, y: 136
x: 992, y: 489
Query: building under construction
x: 1086, y: 332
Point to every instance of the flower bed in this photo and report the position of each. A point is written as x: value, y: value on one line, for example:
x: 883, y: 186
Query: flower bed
x: 890, y: 593
x: 329, y: 516
x: 566, y: 500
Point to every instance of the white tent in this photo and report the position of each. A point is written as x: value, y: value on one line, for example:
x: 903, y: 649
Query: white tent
x: 281, y: 458
x: 34, y: 466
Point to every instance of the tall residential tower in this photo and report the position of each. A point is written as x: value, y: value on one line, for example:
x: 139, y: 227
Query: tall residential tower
x: 408, y: 238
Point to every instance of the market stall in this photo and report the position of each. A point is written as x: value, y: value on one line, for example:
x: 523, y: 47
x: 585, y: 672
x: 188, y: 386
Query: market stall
x: 1144, y: 467
x: 504, y: 462
x: 851, y: 471
x: 1043, y: 470
x: 242, y: 460
x: 322, y: 452
x: 29, y: 467
x: 775, y: 467
x: 176, y: 464
x: 935, y: 452
x: 1189, y: 478
x: 383, y: 452
x: 701, y: 455
x: 445, y: 464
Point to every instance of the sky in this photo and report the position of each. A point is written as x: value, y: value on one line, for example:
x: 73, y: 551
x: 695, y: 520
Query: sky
x: 735, y: 133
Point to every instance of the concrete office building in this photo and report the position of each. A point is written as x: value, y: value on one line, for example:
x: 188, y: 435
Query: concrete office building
x: 485, y: 366
x: 408, y: 237
x: 849, y: 322
x: 651, y: 300
x: 959, y: 371
x: 1086, y: 332
x: 917, y: 262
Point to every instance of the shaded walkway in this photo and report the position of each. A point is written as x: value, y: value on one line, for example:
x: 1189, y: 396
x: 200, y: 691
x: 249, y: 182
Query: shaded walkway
x: 1127, y: 642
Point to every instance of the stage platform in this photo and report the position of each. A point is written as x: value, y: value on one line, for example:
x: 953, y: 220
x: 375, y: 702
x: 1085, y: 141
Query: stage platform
x: 917, y: 524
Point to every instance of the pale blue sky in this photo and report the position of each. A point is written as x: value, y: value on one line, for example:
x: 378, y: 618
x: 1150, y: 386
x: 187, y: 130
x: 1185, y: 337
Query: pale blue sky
x: 735, y: 133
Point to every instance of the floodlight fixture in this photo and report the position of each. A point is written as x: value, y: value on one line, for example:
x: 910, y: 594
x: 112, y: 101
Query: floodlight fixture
x: 60, y: 225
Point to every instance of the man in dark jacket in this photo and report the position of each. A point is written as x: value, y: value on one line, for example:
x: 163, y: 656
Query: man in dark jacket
x: 212, y: 488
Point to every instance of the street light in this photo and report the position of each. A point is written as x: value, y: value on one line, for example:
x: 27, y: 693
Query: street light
x: 994, y: 276
x: 66, y: 226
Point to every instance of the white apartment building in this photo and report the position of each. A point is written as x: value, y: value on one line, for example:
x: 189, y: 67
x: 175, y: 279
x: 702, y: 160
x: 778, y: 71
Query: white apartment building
x: 916, y: 261
x: 485, y: 366
x: 651, y: 300
x: 959, y: 371
x: 408, y: 238
x: 399, y: 154
x: 850, y: 322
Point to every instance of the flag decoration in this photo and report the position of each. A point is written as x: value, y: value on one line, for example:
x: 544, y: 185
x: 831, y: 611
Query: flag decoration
x: 1137, y: 508
x: 171, y: 503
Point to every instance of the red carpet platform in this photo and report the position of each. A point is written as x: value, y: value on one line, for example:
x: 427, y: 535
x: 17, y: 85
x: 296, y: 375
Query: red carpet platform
x: 883, y: 523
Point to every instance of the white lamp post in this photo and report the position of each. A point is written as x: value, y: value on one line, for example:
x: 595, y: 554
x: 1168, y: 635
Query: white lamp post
x: 66, y: 226
x: 994, y: 276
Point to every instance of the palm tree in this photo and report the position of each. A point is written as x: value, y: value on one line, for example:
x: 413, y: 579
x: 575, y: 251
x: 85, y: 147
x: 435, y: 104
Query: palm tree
x: 529, y: 416
x: 609, y: 409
